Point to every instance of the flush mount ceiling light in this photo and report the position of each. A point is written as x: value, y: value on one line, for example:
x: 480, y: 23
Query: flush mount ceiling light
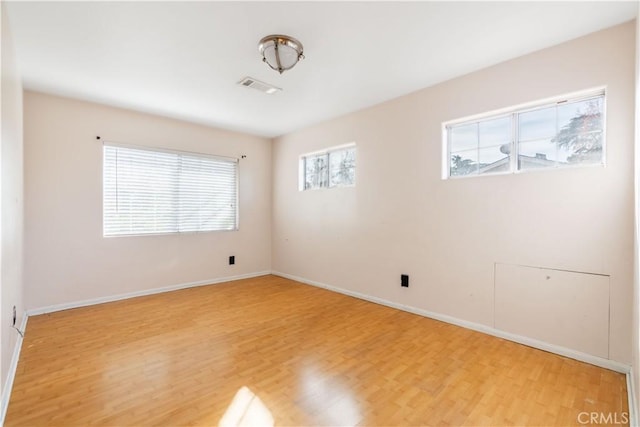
x: 280, y: 52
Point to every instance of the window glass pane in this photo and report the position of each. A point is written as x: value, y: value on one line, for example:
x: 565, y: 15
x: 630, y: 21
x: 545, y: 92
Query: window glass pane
x: 494, y: 159
x: 538, y: 154
x: 582, y: 116
x: 581, y: 131
x: 316, y: 171
x: 495, y: 132
x: 537, y: 124
x: 464, y: 137
x: 586, y: 149
x: 343, y: 167
x: 464, y: 163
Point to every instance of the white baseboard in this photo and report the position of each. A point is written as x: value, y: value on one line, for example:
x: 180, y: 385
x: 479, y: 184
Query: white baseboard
x: 8, y: 385
x: 631, y: 393
x: 552, y: 348
x: 111, y: 298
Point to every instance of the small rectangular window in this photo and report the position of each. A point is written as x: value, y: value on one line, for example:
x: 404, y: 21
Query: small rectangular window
x: 568, y: 131
x: 150, y: 191
x: 334, y: 167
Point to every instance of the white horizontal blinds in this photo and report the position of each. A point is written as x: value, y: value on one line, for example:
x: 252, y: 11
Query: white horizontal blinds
x: 207, y: 194
x: 147, y: 192
x: 139, y: 191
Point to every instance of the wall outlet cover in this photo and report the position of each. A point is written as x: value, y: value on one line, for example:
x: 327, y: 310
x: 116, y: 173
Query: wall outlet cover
x: 404, y: 280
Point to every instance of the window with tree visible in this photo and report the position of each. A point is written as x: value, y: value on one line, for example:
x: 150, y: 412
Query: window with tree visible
x: 335, y: 167
x: 566, y: 132
x: 150, y: 192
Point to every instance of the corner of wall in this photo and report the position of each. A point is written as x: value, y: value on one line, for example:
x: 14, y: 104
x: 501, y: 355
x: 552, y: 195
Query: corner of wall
x: 11, y: 211
x: 634, y: 403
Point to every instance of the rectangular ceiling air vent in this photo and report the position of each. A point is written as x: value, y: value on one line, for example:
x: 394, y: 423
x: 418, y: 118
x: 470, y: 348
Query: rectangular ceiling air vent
x: 258, y: 85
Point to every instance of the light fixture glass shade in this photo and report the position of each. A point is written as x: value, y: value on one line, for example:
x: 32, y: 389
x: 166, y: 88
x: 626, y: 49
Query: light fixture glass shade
x: 280, y: 52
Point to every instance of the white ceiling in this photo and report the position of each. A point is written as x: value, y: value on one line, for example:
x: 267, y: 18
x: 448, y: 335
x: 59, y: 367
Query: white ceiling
x: 183, y: 60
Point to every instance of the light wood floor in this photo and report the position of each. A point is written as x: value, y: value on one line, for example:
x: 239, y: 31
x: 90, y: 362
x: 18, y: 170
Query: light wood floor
x: 312, y: 356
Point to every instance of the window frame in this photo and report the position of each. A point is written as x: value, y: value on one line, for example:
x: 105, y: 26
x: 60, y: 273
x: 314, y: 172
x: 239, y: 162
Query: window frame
x: 514, y: 112
x: 327, y: 151
x: 236, y: 160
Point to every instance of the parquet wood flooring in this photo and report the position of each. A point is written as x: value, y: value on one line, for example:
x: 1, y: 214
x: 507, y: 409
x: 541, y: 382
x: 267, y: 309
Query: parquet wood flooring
x: 312, y: 356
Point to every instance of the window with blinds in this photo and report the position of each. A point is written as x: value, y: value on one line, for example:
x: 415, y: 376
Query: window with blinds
x: 153, y: 192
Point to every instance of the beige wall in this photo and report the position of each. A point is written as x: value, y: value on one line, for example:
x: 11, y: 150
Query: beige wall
x: 66, y: 257
x: 636, y: 259
x: 447, y: 235
x: 11, y: 202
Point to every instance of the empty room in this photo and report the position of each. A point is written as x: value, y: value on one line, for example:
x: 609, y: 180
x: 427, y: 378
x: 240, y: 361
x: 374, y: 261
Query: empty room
x: 319, y: 213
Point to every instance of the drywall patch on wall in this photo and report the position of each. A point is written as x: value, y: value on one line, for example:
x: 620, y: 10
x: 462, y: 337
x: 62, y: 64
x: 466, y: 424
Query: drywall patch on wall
x: 564, y: 308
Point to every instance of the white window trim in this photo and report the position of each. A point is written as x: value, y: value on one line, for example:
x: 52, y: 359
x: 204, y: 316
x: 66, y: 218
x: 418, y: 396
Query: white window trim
x: 170, y: 151
x: 301, y: 165
x: 523, y: 108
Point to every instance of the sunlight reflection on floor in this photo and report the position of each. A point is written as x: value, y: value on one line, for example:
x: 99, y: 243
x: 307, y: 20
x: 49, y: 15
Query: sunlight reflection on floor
x: 330, y: 399
x: 246, y: 409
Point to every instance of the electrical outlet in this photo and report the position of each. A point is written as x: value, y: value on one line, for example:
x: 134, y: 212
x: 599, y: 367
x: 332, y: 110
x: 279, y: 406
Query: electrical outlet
x: 404, y: 280
x: 232, y: 260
